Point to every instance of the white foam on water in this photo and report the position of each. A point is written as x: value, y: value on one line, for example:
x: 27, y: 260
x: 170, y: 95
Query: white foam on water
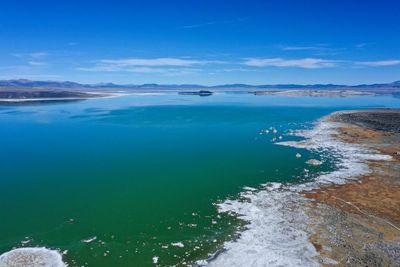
x: 277, y: 233
x: 31, y: 257
x: 155, y: 259
x: 89, y: 240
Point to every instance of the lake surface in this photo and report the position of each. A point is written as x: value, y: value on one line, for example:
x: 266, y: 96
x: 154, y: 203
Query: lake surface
x: 120, y: 181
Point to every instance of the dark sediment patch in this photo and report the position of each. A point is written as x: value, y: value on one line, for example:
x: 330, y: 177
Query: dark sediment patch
x: 387, y: 120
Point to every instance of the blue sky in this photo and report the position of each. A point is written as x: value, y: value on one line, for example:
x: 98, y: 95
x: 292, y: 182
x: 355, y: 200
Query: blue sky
x: 201, y: 41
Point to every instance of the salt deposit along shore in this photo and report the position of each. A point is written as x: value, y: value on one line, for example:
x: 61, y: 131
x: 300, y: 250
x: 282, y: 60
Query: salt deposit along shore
x: 358, y: 223
x: 347, y: 217
x: 31, y: 257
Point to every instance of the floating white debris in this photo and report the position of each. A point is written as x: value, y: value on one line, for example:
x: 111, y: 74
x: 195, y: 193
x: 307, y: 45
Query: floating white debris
x: 298, y: 155
x: 155, y: 259
x: 178, y: 244
x: 274, y: 131
x: 26, y: 241
x: 280, y: 137
x: 89, y: 240
x: 314, y: 162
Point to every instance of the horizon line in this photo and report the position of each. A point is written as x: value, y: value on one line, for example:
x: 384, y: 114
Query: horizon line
x: 192, y: 84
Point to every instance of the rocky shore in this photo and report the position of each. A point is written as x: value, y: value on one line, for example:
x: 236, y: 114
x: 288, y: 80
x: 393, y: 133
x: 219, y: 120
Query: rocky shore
x: 358, y: 223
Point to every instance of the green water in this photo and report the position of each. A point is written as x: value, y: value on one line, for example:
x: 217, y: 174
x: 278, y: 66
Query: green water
x: 142, y: 172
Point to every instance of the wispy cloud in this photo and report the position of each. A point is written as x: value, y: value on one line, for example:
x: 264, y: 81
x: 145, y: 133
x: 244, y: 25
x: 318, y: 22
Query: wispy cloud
x: 379, y: 63
x: 210, y: 23
x: 154, y: 62
x: 317, y: 50
x: 37, y: 63
x: 170, y: 66
x: 300, y: 48
x: 163, y: 66
x: 200, y: 25
x: 361, y: 45
x: 34, y: 59
x: 306, y: 63
x: 29, y: 76
x: 38, y: 55
x: 33, y: 55
x: 138, y: 69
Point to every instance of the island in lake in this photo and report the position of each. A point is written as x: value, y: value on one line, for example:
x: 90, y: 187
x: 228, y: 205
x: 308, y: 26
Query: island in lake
x: 199, y: 93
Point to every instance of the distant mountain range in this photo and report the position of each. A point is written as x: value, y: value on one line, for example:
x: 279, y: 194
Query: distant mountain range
x: 24, y: 83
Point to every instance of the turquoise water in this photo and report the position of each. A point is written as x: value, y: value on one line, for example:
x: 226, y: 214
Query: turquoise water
x: 143, y: 172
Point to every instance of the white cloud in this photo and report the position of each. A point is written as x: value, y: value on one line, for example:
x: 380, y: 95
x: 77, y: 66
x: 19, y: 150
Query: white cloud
x: 29, y: 76
x: 166, y: 71
x: 154, y: 62
x: 36, y: 63
x: 163, y: 66
x: 38, y: 55
x: 379, y: 63
x: 34, y: 59
x: 299, y: 48
x: 34, y: 55
x: 306, y: 63
x: 168, y: 66
x: 209, y: 23
x: 199, y: 25
x: 361, y: 45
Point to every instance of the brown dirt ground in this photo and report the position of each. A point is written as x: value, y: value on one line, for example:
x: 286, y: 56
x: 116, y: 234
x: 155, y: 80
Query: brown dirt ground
x: 358, y: 223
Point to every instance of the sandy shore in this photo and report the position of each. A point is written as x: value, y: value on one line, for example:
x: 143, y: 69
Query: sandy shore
x: 358, y: 223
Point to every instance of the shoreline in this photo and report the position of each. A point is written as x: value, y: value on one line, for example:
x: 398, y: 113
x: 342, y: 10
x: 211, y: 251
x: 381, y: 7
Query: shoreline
x: 358, y: 223
x: 89, y: 95
x: 314, y: 223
